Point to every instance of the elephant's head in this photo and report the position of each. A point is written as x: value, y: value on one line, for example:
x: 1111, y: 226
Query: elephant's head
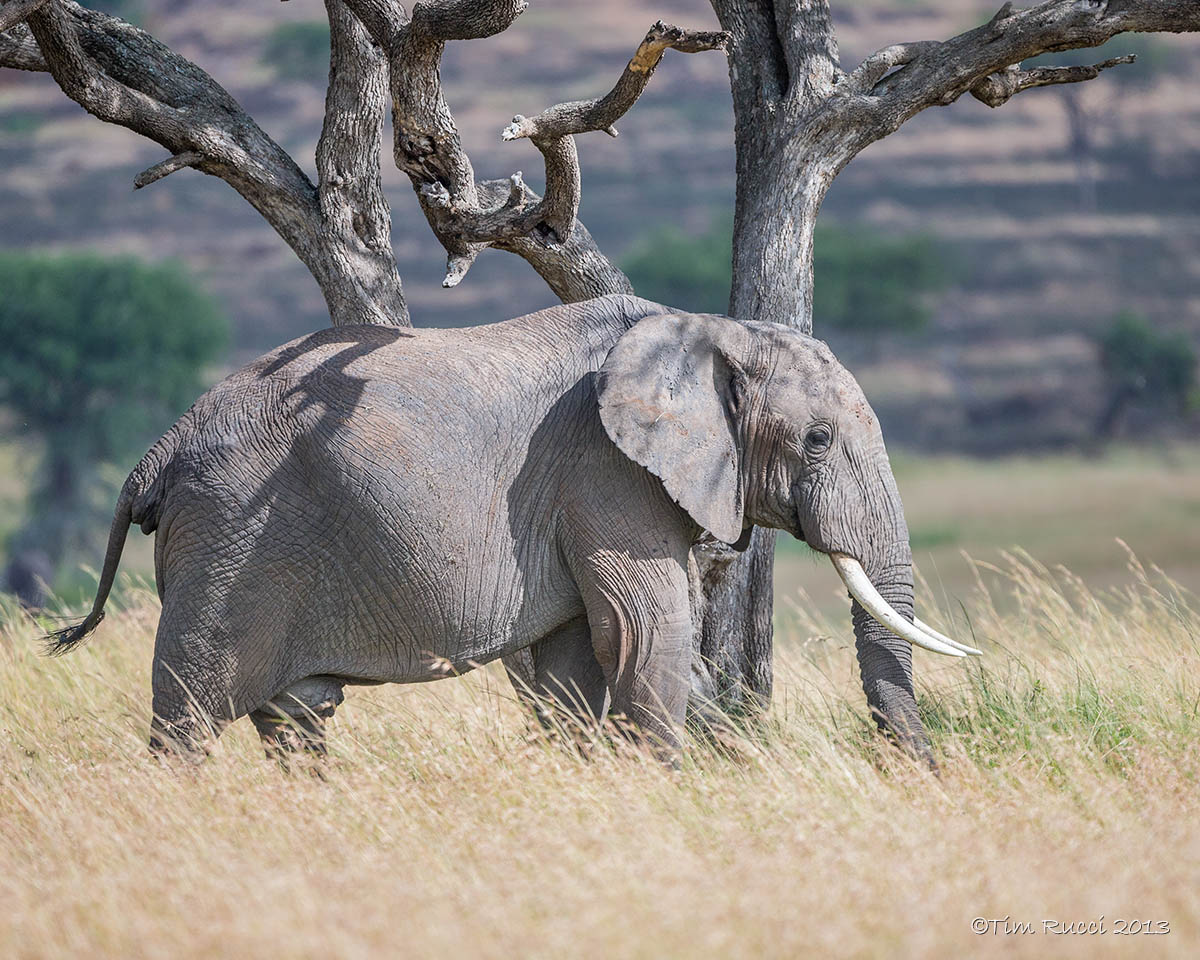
x: 755, y: 423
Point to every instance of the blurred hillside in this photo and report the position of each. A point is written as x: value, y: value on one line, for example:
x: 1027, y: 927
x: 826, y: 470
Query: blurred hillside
x: 1054, y: 213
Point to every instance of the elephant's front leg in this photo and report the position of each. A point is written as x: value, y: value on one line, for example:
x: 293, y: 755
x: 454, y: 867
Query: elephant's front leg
x: 638, y: 613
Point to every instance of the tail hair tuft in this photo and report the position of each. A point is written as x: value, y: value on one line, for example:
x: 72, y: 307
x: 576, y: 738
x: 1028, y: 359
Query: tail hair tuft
x: 68, y: 638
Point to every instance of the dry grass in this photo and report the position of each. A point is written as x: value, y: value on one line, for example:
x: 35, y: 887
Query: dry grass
x: 1068, y: 792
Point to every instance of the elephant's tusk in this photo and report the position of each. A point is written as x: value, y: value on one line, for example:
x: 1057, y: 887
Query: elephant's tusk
x: 859, y: 584
x: 923, y: 626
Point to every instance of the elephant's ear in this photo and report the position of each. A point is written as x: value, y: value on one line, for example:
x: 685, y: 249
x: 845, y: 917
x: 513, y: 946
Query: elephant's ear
x: 669, y: 394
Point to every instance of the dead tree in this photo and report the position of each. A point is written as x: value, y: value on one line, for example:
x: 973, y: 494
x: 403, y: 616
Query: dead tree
x: 799, y: 119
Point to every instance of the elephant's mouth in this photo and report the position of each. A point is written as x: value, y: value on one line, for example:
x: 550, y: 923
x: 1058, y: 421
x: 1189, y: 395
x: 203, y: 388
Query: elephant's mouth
x: 798, y: 529
x: 872, y: 601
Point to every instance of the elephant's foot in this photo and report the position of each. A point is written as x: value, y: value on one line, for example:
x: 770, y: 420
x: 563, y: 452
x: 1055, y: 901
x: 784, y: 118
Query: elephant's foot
x: 292, y: 724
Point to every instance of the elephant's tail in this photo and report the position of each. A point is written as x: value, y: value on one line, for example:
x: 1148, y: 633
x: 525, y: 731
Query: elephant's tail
x: 140, y: 500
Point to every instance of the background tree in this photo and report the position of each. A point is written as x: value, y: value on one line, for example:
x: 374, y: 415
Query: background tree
x: 799, y: 119
x: 99, y: 356
x: 1143, y: 366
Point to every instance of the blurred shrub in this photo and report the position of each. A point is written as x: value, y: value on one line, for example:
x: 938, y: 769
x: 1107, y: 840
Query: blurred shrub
x: 1143, y: 366
x: 872, y: 284
x: 100, y: 354
x: 693, y: 272
x: 865, y: 284
x: 299, y: 51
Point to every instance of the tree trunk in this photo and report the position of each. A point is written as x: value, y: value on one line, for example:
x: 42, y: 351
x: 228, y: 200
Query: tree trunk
x: 783, y: 63
x: 773, y: 282
x: 37, y: 549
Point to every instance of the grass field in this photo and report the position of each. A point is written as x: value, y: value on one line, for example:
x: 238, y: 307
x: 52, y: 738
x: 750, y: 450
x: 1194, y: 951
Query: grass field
x: 1070, y: 761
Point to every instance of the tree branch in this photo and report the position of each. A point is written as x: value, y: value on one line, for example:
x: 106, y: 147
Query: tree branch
x: 465, y: 19
x: 124, y: 76
x: 15, y: 11
x: 166, y: 167
x: 19, y: 50
x: 1001, y: 87
x: 583, y: 116
x: 985, y: 61
x: 467, y: 216
x: 552, y: 219
x: 877, y: 65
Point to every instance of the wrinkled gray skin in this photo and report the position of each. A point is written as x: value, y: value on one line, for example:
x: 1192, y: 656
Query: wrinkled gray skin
x: 370, y: 505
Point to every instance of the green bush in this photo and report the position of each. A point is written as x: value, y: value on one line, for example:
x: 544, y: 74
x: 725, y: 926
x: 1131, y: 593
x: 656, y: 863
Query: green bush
x: 1142, y: 365
x: 299, y: 51
x: 691, y: 272
x: 868, y: 284
x: 1159, y: 366
x: 864, y: 284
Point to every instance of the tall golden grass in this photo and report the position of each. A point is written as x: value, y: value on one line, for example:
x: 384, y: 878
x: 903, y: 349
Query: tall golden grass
x: 445, y: 827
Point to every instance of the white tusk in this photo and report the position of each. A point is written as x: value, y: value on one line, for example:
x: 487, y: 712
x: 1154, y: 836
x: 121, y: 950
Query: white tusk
x: 859, y: 584
x: 921, y: 625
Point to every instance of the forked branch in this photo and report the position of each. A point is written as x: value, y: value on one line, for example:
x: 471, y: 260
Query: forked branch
x: 1002, y: 86
x: 521, y: 221
x: 467, y: 215
x: 552, y: 219
x: 986, y: 61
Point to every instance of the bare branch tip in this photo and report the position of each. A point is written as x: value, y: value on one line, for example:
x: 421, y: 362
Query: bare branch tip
x: 1117, y: 61
x: 456, y: 269
x: 520, y: 128
x: 516, y: 191
x: 166, y: 167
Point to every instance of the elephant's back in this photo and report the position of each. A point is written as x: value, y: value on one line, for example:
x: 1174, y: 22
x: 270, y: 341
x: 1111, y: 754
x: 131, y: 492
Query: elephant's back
x: 499, y: 377
x: 429, y: 415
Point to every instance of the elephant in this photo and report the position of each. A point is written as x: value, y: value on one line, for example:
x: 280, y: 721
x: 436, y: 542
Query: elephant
x: 372, y: 505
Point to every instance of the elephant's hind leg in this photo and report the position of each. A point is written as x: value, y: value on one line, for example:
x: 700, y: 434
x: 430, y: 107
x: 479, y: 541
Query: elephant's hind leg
x: 292, y: 723
x: 194, y: 686
x: 561, y: 682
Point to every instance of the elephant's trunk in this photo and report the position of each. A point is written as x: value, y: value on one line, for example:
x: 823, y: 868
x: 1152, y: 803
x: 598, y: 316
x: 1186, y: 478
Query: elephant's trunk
x: 879, y: 577
x: 885, y: 659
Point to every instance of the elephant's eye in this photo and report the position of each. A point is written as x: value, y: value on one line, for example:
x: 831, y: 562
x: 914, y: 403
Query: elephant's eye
x: 818, y: 439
